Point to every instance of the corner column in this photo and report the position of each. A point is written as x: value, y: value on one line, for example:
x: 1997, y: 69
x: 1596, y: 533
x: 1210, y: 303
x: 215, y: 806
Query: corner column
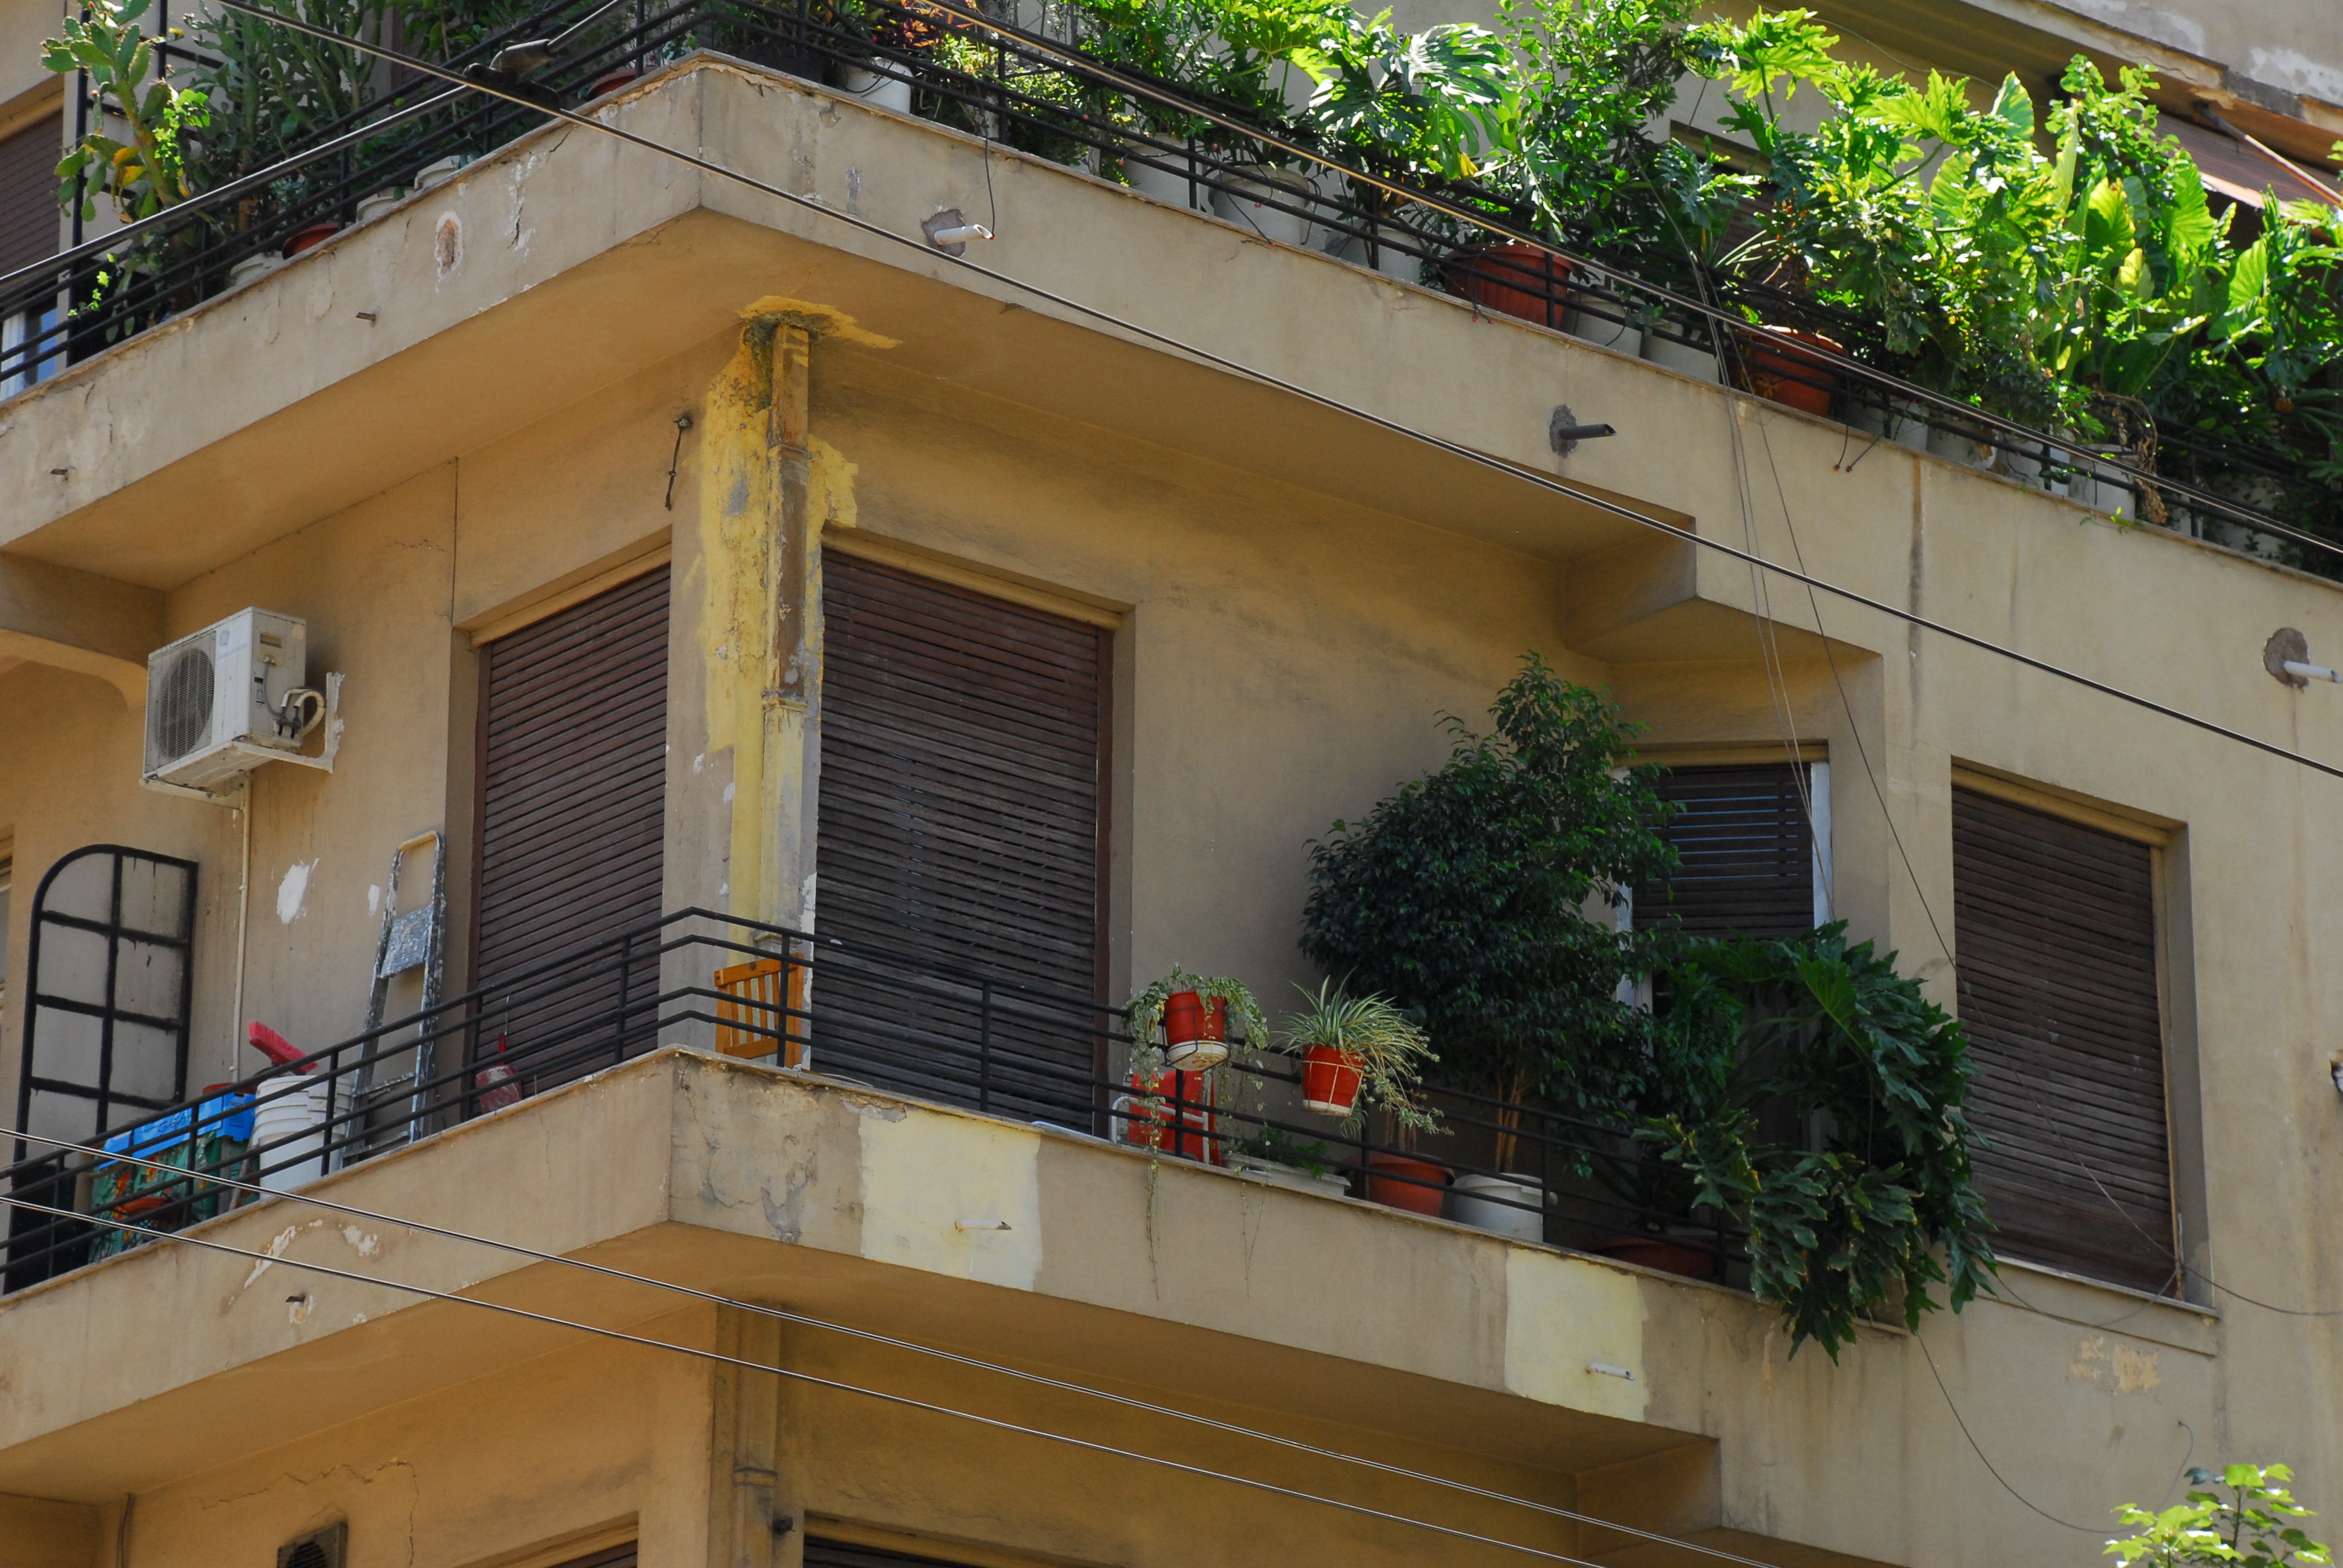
x: 792, y: 685
x: 743, y: 1445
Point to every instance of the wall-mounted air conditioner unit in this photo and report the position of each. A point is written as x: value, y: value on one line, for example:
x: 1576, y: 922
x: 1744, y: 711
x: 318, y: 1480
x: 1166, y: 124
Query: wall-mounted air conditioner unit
x: 230, y: 697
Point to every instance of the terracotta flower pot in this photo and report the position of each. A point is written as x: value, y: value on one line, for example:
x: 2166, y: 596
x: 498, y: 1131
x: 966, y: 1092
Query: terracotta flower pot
x: 302, y: 239
x: 1330, y: 1081
x: 1656, y: 1252
x: 1513, y: 278
x: 1404, y: 1181
x: 611, y: 80
x: 1195, y: 1036
x: 1786, y: 376
x: 1174, y: 1113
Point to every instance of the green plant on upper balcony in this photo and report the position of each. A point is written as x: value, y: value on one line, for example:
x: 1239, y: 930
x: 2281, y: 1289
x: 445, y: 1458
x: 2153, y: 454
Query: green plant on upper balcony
x: 1820, y: 1101
x: 149, y: 170
x: 2076, y: 278
x: 2240, y: 1515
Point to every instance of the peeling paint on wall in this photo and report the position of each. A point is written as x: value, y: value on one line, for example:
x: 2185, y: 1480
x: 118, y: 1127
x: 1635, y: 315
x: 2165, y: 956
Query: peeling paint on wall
x: 932, y: 1183
x: 830, y: 488
x: 2118, y: 1367
x: 293, y: 892
x: 1564, y: 1318
x: 825, y: 321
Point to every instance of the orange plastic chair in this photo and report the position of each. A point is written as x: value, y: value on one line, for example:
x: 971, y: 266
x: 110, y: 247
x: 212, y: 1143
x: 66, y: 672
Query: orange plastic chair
x: 750, y: 1020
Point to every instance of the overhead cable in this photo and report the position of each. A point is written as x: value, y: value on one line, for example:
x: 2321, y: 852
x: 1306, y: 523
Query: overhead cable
x: 872, y: 1336
x: 1584, y: 497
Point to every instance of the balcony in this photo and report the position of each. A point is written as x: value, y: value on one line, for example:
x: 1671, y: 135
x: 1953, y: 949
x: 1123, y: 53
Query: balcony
x: 1044, y: 97
x: 845, y: 1014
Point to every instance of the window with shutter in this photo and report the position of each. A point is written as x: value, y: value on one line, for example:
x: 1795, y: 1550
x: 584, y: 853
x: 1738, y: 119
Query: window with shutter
x: 959, y: 822
x: 2054, y: 927
x: 1747, y: 864
x: 572, y: 816
x: 29, y: 233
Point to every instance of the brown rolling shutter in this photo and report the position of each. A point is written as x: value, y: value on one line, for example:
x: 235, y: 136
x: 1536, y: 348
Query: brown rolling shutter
x: 960, y: 818
x: 2055, y: 927
x: 28, y: 194
x: 573, y: 812
x: 1746, y: 853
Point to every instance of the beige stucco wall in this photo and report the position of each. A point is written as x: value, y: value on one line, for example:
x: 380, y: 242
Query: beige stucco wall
x: 1302, y: 596
x: 1411, y: 1341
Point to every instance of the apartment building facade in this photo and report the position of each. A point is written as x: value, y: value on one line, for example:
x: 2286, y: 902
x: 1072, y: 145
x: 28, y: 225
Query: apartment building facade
x: 664, y: 545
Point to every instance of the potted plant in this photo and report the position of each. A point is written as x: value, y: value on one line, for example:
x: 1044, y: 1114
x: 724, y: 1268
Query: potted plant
x: 1356, y: 1052
x: 1879, y: 1206
x: 1193, y: 1013
x: 1783, y: 375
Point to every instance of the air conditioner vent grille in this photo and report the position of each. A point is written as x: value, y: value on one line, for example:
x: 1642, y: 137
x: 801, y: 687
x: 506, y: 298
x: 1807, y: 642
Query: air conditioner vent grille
x: 183, y: 718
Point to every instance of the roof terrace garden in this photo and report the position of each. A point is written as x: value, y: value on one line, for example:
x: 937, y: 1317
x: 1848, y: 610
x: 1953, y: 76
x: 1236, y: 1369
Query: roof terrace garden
x: 2043, y: 291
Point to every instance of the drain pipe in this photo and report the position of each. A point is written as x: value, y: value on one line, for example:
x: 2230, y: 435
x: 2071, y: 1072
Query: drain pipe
x: 243, y: 916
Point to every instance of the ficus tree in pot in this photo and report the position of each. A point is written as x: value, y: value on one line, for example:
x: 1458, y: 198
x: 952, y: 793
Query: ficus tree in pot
x: 1464, y: 898
x: 1825, y: 1112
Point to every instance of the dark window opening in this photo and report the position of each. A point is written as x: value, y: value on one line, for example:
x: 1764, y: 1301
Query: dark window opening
x: 1745, y: 849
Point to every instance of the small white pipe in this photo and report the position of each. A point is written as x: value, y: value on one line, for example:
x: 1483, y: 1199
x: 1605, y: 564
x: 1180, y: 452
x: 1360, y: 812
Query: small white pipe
x: 961, y: 234
x: 243, y: 916
x: 2312, y: 671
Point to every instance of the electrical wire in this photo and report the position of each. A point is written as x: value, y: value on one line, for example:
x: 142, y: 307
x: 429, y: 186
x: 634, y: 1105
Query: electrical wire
x: 1395, y: 426
x: 782, y: 1314
x: 1961, y: 1423
x: 835, y: 1384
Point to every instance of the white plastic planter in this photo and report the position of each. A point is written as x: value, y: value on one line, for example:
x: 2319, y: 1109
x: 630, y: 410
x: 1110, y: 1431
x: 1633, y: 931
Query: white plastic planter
x: 299, y: 1118
x: 1683, y: 358
x: 373, y: 206
x: 441, y: 172
x: 1487, y: 1203
x: 1246, y: 204
x: 1904, y: 423
x: 880, y: 92
x: 1165, y: 185
x: 253, y: 266
x: 1195, y: 1055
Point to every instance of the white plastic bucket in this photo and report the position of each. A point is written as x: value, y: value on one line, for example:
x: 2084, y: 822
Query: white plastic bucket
x: 1246, y: 202
x: 299, y: 1119
x: 879, y: 91
x: 1486, y: 1203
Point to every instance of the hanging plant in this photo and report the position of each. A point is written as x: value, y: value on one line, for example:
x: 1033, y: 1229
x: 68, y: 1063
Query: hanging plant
x: 1358, y: 1054
x: 1146, y: 1009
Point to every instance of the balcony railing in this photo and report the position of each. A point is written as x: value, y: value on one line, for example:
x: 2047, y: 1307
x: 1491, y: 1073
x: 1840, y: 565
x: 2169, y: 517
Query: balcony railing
x: 1043, y: 94
x: 863, y: 1014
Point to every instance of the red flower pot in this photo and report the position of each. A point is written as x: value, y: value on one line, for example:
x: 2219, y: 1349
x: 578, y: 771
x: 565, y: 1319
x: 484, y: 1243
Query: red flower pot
x: 1786, y: 376
x: 611, y: 80
x: 1173, y: 1112
x: 1653, y: 1252
x: 1330, y: 1081
x: 1404, y: 1181
x: 302, y: 239
x: 1515, y: 278
x: 1195, y: 1036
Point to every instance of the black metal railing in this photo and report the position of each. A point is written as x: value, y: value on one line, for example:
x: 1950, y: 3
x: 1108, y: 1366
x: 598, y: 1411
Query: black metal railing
x: 859, y: 1013
x: 1044, y: 94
